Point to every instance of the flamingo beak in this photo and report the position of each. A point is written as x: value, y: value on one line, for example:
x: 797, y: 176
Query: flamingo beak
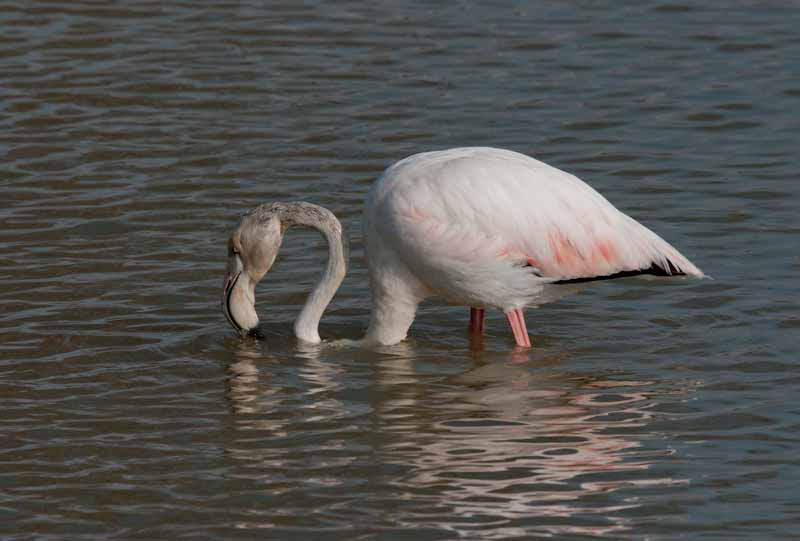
x: 226, y: 286
x: 227, y: 289
x: 229, y: 298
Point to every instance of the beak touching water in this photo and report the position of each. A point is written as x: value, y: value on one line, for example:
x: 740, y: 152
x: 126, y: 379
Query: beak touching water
x: 238, y: 300
x: 227, y: 289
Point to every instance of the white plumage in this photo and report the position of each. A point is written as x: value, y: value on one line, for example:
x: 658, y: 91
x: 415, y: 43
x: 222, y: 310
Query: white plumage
x: 478, y: 227
x: 491, y: 228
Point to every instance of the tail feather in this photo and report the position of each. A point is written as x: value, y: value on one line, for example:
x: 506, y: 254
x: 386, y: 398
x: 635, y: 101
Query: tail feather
x: 652, y: 270
x: 669, y: 260
x: 647, y: 254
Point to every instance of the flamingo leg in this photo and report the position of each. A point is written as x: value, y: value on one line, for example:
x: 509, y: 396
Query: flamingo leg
x: 516, y: 319
x: 476, y: 320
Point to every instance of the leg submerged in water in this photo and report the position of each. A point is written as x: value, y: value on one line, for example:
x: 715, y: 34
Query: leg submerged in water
x: 476, y: 320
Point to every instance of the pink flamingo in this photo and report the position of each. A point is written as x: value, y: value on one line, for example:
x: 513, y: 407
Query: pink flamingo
x: 478, y: 227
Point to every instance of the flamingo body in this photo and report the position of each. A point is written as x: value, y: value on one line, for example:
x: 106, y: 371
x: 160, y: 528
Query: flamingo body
x: 478, y: 227
x: 492, y: 228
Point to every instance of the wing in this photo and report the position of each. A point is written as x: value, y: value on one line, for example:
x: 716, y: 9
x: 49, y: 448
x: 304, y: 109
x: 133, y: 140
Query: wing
x: 481, y: 206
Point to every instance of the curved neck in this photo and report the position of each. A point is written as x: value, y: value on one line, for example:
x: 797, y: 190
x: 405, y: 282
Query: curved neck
x: 306, y: 326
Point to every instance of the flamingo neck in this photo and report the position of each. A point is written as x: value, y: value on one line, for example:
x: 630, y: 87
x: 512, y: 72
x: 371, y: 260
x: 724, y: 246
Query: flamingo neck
x: 306, y: 326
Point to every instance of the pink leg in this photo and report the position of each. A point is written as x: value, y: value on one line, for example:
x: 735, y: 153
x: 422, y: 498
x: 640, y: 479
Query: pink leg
x: 517, y: 320
x: 476, y: 320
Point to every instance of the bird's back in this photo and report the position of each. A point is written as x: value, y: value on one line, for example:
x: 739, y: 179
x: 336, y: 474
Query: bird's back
x: 492, y: 208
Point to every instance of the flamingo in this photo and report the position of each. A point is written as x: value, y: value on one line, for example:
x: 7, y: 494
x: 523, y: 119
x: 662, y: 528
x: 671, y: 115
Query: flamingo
x: 478, y: 227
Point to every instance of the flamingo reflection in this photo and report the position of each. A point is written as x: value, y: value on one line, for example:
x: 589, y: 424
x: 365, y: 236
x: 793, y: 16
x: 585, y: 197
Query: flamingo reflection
x: 505, y: 441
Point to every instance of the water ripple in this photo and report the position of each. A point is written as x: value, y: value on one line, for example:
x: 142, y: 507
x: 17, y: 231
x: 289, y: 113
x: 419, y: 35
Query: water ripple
x: 134, y: 135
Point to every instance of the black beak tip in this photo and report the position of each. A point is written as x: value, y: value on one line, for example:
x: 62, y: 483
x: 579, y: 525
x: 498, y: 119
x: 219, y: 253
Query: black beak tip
x: 256, y: 333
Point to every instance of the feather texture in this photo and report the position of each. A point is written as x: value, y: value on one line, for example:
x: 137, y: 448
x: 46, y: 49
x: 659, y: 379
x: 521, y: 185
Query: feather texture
x: 479, y: 227
x: 491, y: 227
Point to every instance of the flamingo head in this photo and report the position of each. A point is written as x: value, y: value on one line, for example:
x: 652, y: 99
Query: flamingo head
x: 252, y: 249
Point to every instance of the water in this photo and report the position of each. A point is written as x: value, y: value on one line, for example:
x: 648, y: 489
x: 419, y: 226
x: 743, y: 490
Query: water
x: 134, y: 135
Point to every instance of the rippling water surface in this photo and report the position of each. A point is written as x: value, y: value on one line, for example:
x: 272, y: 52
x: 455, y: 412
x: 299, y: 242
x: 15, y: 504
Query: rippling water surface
x: 134, y: 134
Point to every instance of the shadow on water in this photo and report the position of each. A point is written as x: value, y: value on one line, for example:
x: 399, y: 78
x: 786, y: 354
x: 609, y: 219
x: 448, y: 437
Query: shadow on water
x: 512, y: 439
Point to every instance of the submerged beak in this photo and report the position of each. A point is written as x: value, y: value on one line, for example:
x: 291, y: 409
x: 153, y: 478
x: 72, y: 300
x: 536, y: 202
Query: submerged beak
x: 238, y: 301
x: 227, y: 290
